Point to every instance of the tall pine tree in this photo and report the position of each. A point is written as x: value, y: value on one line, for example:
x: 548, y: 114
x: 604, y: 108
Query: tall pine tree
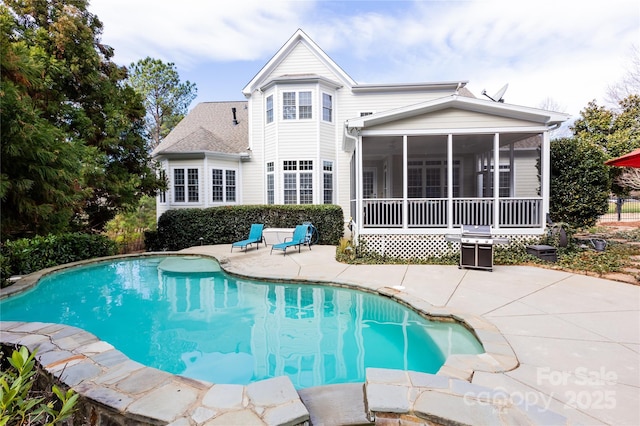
x: 73, y: 145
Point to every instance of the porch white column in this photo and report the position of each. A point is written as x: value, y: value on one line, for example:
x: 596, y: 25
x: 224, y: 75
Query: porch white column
x: 545, y: 185
x: 496, y: 180
x: 405, y: 190
x: 450, y: 181
x: 358, y: 153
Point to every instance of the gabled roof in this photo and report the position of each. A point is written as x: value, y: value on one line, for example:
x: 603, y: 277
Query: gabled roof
x: 541, y: 116
x: 298, y: 37
x: 209, y: 127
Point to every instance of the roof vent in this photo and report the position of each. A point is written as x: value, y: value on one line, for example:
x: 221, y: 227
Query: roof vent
x: 235, y: 120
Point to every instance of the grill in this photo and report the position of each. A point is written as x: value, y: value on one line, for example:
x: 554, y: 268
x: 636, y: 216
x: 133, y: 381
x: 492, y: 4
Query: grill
x: 476, y: 246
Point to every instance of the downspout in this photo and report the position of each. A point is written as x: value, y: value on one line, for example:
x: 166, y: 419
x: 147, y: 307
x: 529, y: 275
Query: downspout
x: 358, y: 207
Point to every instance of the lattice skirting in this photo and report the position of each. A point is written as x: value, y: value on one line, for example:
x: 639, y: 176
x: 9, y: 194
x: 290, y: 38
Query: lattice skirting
x: 422, y: 246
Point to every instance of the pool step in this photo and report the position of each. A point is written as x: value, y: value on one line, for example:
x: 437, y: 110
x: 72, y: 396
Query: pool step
x: 335, y: 405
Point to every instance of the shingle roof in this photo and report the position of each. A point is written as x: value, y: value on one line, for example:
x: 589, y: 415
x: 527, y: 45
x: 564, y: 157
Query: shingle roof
x: 209, y: 126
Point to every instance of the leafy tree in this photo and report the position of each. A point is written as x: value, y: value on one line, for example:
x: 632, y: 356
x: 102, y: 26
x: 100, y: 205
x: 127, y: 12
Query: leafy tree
x: 615, y: 131
x: 73, y: 146
x: 579, y: 182
x: 166, y: 99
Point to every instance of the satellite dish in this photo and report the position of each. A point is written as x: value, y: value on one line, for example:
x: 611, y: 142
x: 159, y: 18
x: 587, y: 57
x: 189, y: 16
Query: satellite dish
x: 499, y: 94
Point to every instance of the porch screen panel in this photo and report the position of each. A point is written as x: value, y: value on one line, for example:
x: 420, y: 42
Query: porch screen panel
x: 472, y: 189
x: 383, y: 183
x: 520, y: 183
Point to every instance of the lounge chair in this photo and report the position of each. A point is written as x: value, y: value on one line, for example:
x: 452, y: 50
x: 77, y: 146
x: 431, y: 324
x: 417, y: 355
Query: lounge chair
x: 299, y: 238
x: 255, y: 237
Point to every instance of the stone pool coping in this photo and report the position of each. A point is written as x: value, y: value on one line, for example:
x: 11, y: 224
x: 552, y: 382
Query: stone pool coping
x: 101, y: 373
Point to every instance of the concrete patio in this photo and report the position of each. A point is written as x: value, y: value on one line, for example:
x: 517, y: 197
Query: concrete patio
x: 577, y: 338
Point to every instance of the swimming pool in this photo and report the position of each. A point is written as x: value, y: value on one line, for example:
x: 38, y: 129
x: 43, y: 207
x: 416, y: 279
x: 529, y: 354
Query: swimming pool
x: 185, y: 316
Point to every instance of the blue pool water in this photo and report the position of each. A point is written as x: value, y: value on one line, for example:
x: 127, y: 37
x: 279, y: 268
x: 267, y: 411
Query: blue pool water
x: 185, y: 316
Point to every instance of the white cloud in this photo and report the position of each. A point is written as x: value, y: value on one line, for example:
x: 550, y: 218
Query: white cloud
x: 193, y: 30
x: 568, y: 50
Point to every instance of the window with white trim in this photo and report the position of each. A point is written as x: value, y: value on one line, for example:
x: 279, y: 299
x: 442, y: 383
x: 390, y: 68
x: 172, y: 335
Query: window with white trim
x: 271, y: 187
x: 297, y: 105
x: 162, y: 195
x: 269, y: 109
x: 185, y: 185
x: 289, y: 106
x: 223, y: 186
x: 297, y: 181
x: 327, y: 182
x: 327, y: 107
x: 306, y: 108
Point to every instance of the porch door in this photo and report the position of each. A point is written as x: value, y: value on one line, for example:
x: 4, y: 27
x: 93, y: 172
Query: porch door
x: 426, y: 179
x: 369, y: 183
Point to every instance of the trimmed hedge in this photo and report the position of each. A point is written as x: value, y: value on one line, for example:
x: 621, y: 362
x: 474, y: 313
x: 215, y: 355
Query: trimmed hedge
x: 28, y: 255
x: 182, y: 228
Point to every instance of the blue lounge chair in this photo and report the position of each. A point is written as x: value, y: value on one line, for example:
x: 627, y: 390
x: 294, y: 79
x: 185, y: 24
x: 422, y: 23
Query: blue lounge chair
x: 299, y: 238
x: 255, y: 237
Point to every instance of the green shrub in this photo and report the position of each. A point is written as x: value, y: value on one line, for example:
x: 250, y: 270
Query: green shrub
x: 580, y: 182
x: 28, y: 255
x: 20, y: 404
x: 182, y: 228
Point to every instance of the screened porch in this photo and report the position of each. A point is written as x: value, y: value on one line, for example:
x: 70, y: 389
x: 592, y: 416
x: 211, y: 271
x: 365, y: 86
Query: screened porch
x: 445, y: 181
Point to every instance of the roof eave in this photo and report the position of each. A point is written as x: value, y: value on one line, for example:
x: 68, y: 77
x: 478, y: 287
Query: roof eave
x: 409, y: 87
x: 548, y: 118
x: 301, y: 79
x: 196, y: 155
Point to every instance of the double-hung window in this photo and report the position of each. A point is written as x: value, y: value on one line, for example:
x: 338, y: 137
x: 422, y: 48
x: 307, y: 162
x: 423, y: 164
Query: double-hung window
x: 223, y: 186
x: 297, y: 105
x: 185, y: 185
x: 271, y: 188
x: 298, y: 181
x: 327, y: 107
x: 327, y: 182
x: 289, y: 106
x: 305, y: 105
x: 162, y: 195
x: 269, y: 108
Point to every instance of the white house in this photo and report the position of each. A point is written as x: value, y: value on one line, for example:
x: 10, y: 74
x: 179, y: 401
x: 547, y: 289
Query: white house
x: 408, y: 163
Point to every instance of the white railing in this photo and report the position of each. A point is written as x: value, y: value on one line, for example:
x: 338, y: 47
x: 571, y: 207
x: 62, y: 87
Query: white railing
x: 433, y: 212
x: 472, y: 211
x: 427, y: 212
x: 384, y: 213
x: 520, y: 212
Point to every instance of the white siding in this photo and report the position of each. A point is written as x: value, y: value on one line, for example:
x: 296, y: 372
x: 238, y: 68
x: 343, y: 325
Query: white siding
x: 451, y: 119
x: 302, y: 60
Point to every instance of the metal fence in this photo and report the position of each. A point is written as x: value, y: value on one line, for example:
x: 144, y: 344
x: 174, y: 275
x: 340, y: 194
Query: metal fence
x: 622, y: 210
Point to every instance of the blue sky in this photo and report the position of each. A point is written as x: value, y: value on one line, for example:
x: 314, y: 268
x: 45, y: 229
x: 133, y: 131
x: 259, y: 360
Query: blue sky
x: 569, y: 51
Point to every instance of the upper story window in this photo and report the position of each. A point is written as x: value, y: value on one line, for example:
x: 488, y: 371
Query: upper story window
x: 269, y: 109
x: 327, y: 107
x: 305, y: 105
x: 185, y: 185
x: 296, y: 105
